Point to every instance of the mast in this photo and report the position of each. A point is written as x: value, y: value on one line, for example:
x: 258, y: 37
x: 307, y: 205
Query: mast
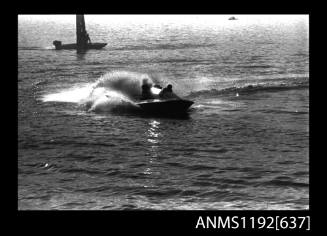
x: 83, y: 41
x: 81, y: 38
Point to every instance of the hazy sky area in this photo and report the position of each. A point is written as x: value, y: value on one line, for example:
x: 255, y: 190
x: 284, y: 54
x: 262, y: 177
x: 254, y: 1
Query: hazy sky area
x: 171, y: 19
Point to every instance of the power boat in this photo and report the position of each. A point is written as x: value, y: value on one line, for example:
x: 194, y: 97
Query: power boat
x: 166, y: 106
x: 83, y: 41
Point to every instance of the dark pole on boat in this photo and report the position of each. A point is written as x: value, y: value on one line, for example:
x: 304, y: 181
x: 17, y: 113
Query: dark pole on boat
x: 81, y: 40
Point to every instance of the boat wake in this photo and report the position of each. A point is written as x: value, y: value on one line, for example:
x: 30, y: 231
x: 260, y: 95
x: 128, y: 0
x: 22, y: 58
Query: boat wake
x: 252, y: 87
x: 119, y: 91
x: 36, y: 48
x: 114, y: 91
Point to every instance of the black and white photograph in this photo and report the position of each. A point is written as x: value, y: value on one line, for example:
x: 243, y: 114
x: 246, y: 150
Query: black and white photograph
x: 163, y: 112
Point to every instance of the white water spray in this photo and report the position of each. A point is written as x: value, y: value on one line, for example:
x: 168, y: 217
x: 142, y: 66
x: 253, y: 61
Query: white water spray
x: 117, y: 90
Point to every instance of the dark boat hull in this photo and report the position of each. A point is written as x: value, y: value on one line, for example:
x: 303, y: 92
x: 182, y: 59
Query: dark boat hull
x: 168, y: 107
x: 74, y: 46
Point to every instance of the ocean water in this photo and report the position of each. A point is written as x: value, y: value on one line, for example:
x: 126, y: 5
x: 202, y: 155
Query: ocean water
x: 83, y: 144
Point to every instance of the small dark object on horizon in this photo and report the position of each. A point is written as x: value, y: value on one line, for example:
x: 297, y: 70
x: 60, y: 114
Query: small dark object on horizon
x: 232, y: 18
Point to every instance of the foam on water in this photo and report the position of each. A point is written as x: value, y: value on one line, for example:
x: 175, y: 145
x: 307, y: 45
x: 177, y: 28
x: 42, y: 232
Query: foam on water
x: 73, y: 95
x: 117, y: 90
x: 127, y: 83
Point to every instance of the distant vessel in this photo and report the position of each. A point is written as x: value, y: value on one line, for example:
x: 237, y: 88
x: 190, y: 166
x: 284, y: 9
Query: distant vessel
x: 232, y: 18
x: 83, y: 41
